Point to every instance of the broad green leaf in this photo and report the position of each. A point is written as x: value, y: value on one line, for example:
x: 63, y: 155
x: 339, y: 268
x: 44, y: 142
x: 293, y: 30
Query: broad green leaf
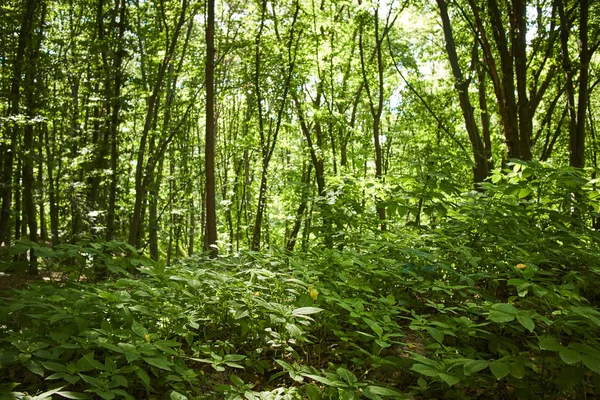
x: 143, y: 376
x: 139, y: 329
x: 500, y: 369
x: 374, y: 326
x: 234, y: 357
x: 526, y: 322
x: 52, y: 366
x: 569, y: 356
x: 87, y: 363
x: 425, y: 370
x: 451, y: 380
x: 73, y: 395
x: 506, y: 308
x: 517, y: 370
x: 131, y: 357
x: 347, y: 394
x: 346, y: 375
x: 474, y: 366
x: 95, y: 382
x: 382, y: 391
x: 503, y: 312
x: 35, y: 367
x: 550, y: 343
x: 326, y: 381
x: 177, y: 396
x: 524, y: 193
x: 306, y: 311
x: 592, y: 362
x: 436, y: 334
x: 159, y: 362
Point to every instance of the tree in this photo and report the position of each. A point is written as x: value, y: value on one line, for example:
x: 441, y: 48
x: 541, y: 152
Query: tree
x: 481, y: 170
x: 210, y: 241
x: 14, y: 112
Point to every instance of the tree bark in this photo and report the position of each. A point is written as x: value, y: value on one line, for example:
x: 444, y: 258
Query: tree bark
x: 8, y: 152
x: 141, y: 184
x: 481, y: 171
x: 210, y: 237
x: 114, y: 123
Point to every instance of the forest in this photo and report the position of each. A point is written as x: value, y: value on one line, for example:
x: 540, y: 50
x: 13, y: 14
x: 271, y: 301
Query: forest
x: 299, y: 199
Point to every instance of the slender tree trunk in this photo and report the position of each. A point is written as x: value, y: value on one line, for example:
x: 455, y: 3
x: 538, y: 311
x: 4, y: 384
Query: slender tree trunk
x: 210, y: 238
x: 376, y: 106
x: 291, y: 242
x: 481, y: 171
x: 8, y: 152
x: 40, y: 183
x: 141, y: 183
x: 192, y: 233
x: 577, y: 143
x: 114, y: 124
x: 485, y: 114
x: 53, y: 185
x: 29, y: 147
x: 519, y: 48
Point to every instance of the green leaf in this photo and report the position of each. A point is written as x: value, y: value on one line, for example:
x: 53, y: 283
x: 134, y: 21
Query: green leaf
x: 524, y: 193
x: 503, y: 312
x: 233, y: 365
x: 159, y: 362
x: 382, y: 391
x: 131, y: 357
x: 550, y: 343
x: 139, y: 329
x: 569, y: 356
x: 177, y: 396
x: 517, y: 370
x: 73, y: 395
x: 526, y: 322
x: 35, y: 367
x: 346, y: 375
x: 234, y: 357
x: 306, y: 311
x: 95, y: 382
x: 500, y: 369
x: 143, y: 376
x: 506, y: 308
x: 425, y: 370
x: 437, y: 335
x: 326, y: 381
x: 451, y: 380
x: 474, y: 366
x: 52, y: 366
x: 592, y: 362
x: 87, y: 363
x: 374, y: 326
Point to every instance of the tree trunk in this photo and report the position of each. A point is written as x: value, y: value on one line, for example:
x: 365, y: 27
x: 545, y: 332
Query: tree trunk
x: 481, y: 171
x: 29, y: 147
x: 291, y: 242
x: 8, y: 152
x: 141, y: 184
x: 210, y: 237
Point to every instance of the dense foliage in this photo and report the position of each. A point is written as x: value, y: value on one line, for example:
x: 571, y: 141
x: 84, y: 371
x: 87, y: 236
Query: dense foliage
x: 299, y: 199
x: 498, y: 300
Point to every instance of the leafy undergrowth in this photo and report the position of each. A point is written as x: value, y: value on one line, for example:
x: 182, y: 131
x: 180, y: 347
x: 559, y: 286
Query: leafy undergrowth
x: 498, y: 302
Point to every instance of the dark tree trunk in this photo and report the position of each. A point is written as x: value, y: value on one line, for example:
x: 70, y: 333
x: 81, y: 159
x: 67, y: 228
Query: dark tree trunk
x: 141, y: 181
x: 29, y: 147
x: 114, y: 124
x: 291, y: 242
x: 8, y: 151
x: 210, y: 237
x: 481, y: 171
